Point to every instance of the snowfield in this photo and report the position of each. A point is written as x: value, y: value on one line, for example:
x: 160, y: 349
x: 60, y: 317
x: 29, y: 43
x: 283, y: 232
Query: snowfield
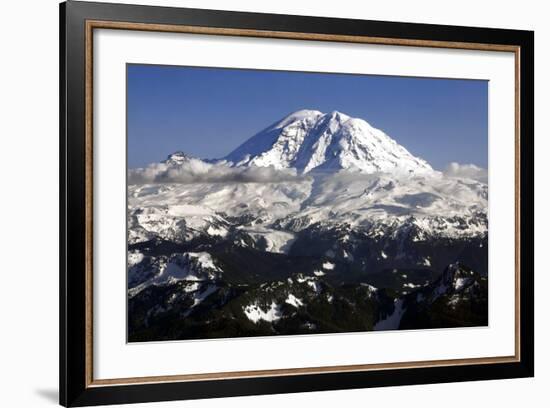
x: 437, y: 205
x: 392, y: 321
x: 275, y: 240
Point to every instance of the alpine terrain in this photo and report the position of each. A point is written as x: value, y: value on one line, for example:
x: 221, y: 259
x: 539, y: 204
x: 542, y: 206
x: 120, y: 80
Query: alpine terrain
x: 319, y: 223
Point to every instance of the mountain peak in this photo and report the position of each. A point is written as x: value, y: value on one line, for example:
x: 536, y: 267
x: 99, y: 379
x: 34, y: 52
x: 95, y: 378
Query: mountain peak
x: 338, y: 116
x: 299, y: 115
x: 177, y: 158
x: 311, y: 140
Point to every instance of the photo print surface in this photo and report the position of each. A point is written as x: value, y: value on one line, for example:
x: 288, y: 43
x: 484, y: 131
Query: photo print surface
x: 265, y: 203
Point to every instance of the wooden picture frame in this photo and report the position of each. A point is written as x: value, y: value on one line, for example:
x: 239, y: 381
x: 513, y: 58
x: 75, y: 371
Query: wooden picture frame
x: 78, y: 20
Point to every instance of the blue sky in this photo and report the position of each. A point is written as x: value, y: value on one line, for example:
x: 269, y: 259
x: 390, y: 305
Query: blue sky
x: 207, y: 112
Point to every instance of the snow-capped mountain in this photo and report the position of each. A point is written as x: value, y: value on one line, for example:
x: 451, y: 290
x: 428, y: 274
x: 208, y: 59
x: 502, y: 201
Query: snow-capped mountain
x: 316, y: 212
x: 355, y: 176
x: 309, y: 140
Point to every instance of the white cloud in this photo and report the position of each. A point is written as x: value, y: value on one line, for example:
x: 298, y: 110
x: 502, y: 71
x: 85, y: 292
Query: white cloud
x: 470, y: 171
x: 197, y: 171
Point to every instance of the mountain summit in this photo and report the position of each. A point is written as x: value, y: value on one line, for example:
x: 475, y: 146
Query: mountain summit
x: 309, y: 140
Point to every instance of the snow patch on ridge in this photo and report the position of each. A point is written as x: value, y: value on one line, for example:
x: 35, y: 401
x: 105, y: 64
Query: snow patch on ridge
x: 392, y: 321
x: 293, y: 300
x: 255, y: 313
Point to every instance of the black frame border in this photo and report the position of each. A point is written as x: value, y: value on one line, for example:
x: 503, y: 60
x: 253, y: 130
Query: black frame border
x: 72, y: 347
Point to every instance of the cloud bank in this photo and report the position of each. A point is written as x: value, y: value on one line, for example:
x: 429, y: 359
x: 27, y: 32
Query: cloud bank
x: 194, y: 170
x: 470, y: 171
x: 198, y: 171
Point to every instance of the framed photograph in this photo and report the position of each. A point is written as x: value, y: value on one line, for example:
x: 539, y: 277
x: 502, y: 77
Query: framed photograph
x: 256, y: 204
